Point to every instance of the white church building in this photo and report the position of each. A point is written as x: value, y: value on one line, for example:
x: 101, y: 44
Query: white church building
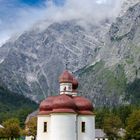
x: 66, y: 116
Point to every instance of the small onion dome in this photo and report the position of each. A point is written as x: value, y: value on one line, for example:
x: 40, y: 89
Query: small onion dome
x: 74, y: 84
x: 84, y: 106
x: 45, y: 107
x: 63, y: 104
x: 65, y: 77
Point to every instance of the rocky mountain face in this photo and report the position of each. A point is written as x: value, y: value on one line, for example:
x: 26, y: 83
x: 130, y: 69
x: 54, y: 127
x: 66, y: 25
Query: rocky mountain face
x: 32, y: 64
x: 126, y: 4
x: 108, y: 79
x: 105, y: 58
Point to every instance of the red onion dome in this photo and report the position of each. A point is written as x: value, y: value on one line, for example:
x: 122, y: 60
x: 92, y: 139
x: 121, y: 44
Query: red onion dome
x: 74, y: 84
x: 63, y: 104
x: 66, y: 77
x: 46, y: 106
x: 84, y: 106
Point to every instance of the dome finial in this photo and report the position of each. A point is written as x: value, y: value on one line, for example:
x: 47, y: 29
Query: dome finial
x: 66, y: 66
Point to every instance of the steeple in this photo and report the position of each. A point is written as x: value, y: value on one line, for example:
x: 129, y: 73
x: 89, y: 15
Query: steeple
x: 66, y: 80
x: 72, y: 113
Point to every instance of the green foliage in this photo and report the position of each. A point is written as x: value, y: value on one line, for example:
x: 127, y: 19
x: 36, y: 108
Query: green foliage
x: 115, y: 81
x: 87, y: 70
x: 123, y: 112
x: 2, y: 133
x: 113, y: 119
x: 133, y: 92
x: 100, y: 115
x: 112, y: 125
x: 14, y: 105
x: 32, y: 127
x: 11, y: 129
x: 110, y: 81
x: 133, y: 126
x: 130, y: 60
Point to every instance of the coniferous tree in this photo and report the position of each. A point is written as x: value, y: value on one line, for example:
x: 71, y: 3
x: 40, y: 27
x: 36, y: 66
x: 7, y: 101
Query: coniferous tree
x: 133, y: 126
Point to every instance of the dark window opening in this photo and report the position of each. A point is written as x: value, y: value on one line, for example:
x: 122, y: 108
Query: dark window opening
x: 45, y: 126
x: 83, y: 127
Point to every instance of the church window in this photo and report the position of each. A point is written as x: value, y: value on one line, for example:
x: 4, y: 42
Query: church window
x: 45, y: 126
x: 83, y: 127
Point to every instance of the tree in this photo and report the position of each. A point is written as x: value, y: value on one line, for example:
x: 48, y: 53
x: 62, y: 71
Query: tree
x: 31, y: 127
x: 11, y: 128
x: 22, y: 114
x: 100, y: 115
x: 112, y: 125
x: 123, y: 112
x: 2, y: 135
x: 133, y: 126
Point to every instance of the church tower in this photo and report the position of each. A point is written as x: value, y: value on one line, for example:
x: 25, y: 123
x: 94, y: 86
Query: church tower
x: 66, y: 116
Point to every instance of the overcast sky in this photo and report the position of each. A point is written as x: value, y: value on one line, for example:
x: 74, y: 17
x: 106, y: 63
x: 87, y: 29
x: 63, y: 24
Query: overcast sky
x: 18, y: 15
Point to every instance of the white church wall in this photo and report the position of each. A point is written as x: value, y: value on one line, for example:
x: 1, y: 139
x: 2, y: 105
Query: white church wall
x: 29, y: 138
x: 89, y: 133
x: 41, y: 135
x: 63, y: 126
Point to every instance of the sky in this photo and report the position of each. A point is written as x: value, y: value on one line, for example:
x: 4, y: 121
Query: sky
x: 19, y: 15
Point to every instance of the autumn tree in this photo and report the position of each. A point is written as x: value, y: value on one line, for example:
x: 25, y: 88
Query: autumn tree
x: 2, y: 135
x: 11, y: 128
x: 31, y: 127
x: 112, y: 125
x: 133, y: 126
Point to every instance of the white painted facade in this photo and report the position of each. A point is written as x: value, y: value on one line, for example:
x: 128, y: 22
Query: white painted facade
x: 89, y: 133
x: 41, y: 135
x: 65, y: 126
x: 29, y: 138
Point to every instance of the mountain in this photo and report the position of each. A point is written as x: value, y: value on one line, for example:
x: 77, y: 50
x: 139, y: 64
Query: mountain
x: 14, y: 105
x: 114, y: 77
x: 104, y: 56
x: 32, y: 64
x: 126, y: 4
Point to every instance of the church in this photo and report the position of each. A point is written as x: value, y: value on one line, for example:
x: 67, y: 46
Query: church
x: 66, y: 116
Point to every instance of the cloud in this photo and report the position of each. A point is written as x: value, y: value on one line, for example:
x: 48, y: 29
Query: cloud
x: 16, y: 17
x: 86, y: 9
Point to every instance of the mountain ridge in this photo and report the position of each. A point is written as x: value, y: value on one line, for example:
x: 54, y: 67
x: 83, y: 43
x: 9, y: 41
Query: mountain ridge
x: 105, y: 57
x: 119, y: 63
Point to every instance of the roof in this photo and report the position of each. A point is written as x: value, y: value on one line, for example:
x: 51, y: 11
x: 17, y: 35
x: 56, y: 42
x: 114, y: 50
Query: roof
x: 66, y: 104
x: 33, y: 114
x: 66, y: 77
x: 99, y: 133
